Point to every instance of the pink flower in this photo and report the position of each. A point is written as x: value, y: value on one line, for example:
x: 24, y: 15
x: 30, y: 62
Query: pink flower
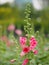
x: 6, y: 40
x: 26, y: 49
x: 33, y: 43
x: 31, y: 47
x: 25, y: 62
x: 22, y: 41
x: 33, y: 40
x: 11, y: 27
x: 13, y: 60
x: 35, y: 52
x: 22, y: 54
x: 18, y: 32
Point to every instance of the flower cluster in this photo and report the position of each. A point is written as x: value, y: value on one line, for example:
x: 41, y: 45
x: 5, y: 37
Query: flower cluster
x: 25, y: 48
x: 11, y: 27
x: 6, y: 40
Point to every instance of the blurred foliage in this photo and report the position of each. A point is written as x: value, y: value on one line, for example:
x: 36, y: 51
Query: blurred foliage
x: 8, y: 15
x: 12, y: 14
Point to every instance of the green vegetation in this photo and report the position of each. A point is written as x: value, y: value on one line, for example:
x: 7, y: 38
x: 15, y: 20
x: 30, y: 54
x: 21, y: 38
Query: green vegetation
x: 31, y: 22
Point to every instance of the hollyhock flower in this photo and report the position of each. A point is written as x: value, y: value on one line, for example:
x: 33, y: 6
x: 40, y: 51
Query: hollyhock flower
x: 33, y: 43
x: 22, y: 54
x: 23, y: 46
x: 33, y: 40
x: 18, y: 32
x: 11, y: 27
x: 26, y: 49
x: 31, y: 47
x: 22, y: 41
x: 13, y: 60
x: 6, y: 40
x: 35, y: 52
x: 25, y: 62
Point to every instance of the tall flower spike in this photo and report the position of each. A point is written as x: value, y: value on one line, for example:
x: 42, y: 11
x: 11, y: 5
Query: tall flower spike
x: 28, y: 26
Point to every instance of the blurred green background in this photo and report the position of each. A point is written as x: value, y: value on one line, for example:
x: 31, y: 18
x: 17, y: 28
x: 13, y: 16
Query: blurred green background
x: 14, y: 13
